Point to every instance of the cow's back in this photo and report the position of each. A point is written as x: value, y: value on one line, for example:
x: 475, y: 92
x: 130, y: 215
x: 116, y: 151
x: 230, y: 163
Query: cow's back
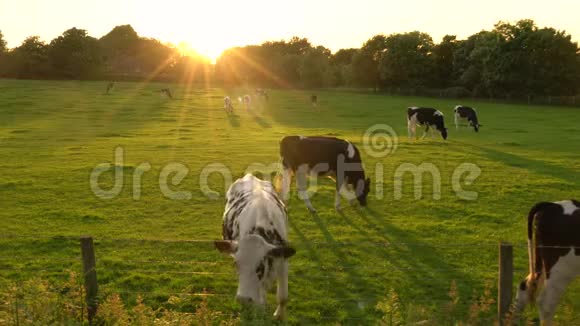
x: 297, y: 151
x: 422, y: 115
x: 253, y: 207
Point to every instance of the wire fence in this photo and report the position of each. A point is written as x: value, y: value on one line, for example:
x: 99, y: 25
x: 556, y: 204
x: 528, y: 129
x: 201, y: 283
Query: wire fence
x: 111, y: 265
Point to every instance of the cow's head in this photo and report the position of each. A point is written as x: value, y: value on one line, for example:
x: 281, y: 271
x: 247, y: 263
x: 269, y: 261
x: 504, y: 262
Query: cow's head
x: 362, y: 191
x: 444, y: 133
x: 440, y: 123
x: 253, y: 257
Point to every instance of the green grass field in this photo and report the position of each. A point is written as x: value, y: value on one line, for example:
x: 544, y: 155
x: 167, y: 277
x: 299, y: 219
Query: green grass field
x: 53, y: 134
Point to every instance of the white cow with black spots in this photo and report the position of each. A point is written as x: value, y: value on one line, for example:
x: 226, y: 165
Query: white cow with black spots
x: 255, y: 234
x: 554, y: 253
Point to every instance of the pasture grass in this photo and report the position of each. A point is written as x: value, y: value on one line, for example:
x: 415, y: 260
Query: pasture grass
x: 54, y: 133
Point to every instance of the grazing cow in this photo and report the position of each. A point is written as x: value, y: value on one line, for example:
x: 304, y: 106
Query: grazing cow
x: 228, y: 106
x: 110, y: 87
x: 554, y: 255
x: 167, y: 92
x: 262, y: 92
x: 247, y: 100
x: 428, y: 117
x: 314, y: 100
x: 319, y: 156
x: 466, y: 113
x: 255, y: 234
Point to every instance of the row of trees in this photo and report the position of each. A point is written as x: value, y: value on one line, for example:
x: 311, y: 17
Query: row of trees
x: 121, y: 54
x: 516, y: 60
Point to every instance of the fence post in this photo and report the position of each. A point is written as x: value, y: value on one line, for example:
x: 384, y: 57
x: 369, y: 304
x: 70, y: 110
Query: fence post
x: 90, y: 276
x: 505, y: 282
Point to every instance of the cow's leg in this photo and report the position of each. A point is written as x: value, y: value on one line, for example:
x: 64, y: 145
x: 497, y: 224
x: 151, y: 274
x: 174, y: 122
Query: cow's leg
x: 425, y: 132
x: 282, y: 293
x: 302, y: 186
x: 550, y: 296
x: 339, y: 190
x: 456, y: 121
x: 411, y: 127
x: 286, y: 179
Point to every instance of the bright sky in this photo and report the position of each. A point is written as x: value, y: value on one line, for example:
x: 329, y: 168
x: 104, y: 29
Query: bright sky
x: 211, y: 26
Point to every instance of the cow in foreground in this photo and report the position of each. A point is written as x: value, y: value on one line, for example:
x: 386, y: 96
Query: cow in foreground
x: 228, y: 106
x: 255, y: 234
x: 428, y: 117
x: 554, y: 256
x: 319, y: 156
x: 468, y: 114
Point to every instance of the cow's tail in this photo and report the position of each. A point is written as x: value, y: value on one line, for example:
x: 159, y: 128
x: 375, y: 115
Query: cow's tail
x: 536, y: 270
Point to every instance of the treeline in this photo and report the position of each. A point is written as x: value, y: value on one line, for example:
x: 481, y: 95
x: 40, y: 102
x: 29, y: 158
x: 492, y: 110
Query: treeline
x: 120, y: 55
x: 512, y: 60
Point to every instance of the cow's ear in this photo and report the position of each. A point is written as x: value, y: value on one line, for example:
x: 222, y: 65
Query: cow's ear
x: 282, y: 252
x: 226, y: 246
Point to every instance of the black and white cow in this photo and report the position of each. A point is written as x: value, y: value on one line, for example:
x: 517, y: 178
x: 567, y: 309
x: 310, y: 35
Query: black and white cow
x: 167, y: 92
x: 228, y: 106
x: 110, y: 87
x: 428, y: 117
x: 320, y: 156
x: 466, y: 113
x: 262, y: 93
x: 255, y: 234
x: 554, y: 255
x: 314, y: 100
x: 247, y: 100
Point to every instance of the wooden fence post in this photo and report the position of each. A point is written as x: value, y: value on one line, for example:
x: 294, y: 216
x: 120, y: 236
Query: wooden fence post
x: 90, y: 276
x: 505, y: 281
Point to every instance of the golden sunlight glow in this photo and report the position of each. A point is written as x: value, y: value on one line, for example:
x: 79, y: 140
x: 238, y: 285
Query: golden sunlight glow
x: 212, y: 26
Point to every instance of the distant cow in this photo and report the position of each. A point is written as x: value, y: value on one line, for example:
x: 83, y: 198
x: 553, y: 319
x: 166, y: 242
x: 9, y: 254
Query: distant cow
x: 466, y: 113
x: 228, y: 104
x: 314, y: 100
x: 110, y: 87
x: 554, y: 255
x: 428, y: 117
x: 167, y: 92
x: 247, y: 100
x: 320, y: 156
x: 262, y: 92
x: 255, y: 234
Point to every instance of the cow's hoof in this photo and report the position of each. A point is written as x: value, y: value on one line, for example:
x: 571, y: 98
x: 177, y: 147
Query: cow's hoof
x: 312, y: 210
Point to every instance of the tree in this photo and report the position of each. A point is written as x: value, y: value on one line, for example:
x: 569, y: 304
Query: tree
x: 119, y: 49
x: 74, y: 54
x: 443, y: 61
x: 315, y: 68
x: 2, y: 43
x: 30, y: 59
x: 407, y: 60
x: 366, y: 62
x: 471, y: 62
